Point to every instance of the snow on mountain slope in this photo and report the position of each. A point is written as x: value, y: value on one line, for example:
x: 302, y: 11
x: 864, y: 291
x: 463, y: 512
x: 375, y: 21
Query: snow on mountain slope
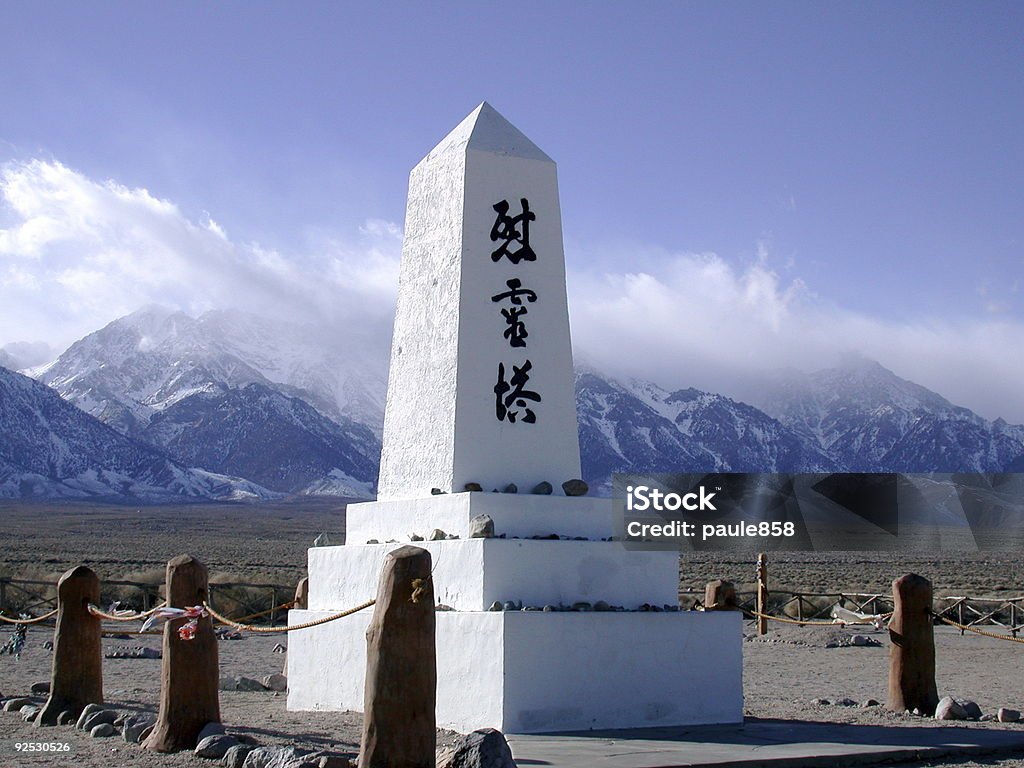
x: 870, y: 420
x: 50, y: 448
x: 278, y: 441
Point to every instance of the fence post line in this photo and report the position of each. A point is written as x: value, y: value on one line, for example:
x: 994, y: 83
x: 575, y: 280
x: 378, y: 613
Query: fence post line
x: 401, y: 667
x: 762, y: 593
x: 189, y: 673
x: 912, y: 655
x: 77, y: 673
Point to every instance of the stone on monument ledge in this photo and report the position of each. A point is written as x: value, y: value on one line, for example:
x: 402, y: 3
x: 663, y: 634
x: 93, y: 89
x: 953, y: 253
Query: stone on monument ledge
x: 522, y: 515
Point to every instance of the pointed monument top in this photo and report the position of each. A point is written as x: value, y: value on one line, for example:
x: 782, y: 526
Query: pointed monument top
x: 485, y: 130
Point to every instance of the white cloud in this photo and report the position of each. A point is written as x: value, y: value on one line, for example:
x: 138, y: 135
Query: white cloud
x: 76, y: 253
x: 697, y: 321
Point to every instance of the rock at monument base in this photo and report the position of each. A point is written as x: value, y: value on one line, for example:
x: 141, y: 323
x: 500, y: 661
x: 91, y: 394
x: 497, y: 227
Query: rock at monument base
x: 102, y: 730
x: 971, y: 708
x: 473, y: 487
x: 1005, y: 715
x: 135, y: 727
x: 40, y: 689
x: 67, y: 717
x: 235, y: 756
x: 575, y: 487
x: 485, y: 748
x: 98, y: 718
x: 276, y: 682
x: 275, y: 757
x: 949, y: 709
x: 437, y: 535
x: 29, y: 712
x: 481, y: 527
x: 211, y: 729
x: 215, y: 746
x: 87, y: 711
x: 15, y: 704
x: 542, y: 489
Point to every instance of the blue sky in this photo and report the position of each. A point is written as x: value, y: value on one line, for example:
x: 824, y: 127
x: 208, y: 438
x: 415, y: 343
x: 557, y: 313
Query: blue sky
x: 856, y: 167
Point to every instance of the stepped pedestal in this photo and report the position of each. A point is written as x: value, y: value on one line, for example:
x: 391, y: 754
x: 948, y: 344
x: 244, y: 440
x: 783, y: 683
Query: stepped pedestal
x: 525, y: 671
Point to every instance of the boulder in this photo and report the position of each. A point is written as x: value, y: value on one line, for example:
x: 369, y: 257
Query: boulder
x: 102, y: 730
x: 481, y: 527
x: 235, y: 756
x: 67, y: 717
x: 542, y: 489
x: 485, y: 748
x: 15, y: 704
x: 215, y: 746
x: 275, y: 757
x: 98, y: 718
x: 276, y: 682
x: 211, y: 729
x: 40, y: 689
x: 575, y: 487
x: 949, y: 709
x: 135, y: 727
x: 971, y: 708
x: 1005, y: 715
x: 87, y: 712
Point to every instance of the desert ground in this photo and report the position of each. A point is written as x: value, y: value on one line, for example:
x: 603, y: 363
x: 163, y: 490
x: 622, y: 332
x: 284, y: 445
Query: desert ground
x: 784, y: 672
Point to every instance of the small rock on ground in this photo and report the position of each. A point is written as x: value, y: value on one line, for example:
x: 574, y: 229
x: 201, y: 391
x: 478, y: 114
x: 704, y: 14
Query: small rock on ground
x: 102, y: 730
x: 949, y: 709
x: 1006, y: 715
x: 215, y: 746
x: 485, y: 748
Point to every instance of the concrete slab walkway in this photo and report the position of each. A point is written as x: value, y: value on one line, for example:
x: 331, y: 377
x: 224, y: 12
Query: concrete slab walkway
x: 778, y: 743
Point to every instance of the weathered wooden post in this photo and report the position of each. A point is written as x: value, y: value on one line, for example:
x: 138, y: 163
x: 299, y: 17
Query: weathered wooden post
x: 301, y: 599
x: 762, y: 593
x: 720, y: 595
x: 401, y: 667
x: 77, y: 675
x: 912, y: 656
x: 189, y: 675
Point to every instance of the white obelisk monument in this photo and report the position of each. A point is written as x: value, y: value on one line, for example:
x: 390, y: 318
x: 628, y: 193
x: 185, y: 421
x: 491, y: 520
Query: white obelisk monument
x: 481, y: 393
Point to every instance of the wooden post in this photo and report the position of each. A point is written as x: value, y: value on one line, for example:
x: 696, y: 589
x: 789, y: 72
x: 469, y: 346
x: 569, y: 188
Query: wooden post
x: 302, y: 593
x: 720, y: 595
x: 401, y: 667
x: 912, y: 655
x: 762, y: 593
x: 189, y: 675
x: 77, y: 676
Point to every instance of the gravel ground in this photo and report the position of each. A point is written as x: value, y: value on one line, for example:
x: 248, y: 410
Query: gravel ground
x: 783, y: 673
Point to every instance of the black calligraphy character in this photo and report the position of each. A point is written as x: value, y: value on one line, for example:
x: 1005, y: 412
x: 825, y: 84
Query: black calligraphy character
x: 507, y: 228
x: 516, y: 330
x: 512, y: 392
x: 515, y: 293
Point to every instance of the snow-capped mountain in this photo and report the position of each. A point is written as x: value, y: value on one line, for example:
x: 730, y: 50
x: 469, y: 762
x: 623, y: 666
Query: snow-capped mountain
x: 279, y: 405
x: 278, y: 441
x: 870, y: 420
x: 639, y: 427
x: 149, y: 360
x: 214, y: 391
x: 50, y: 448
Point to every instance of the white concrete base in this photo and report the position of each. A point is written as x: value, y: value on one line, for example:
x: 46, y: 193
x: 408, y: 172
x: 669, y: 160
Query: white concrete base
x: 470, y: 574
x: 534, y: 672
x: 514, y: 514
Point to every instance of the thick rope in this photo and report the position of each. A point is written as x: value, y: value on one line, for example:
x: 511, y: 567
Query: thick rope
x: 977, y: 631
x: 36, y: 620
x: 270, y: 630
x: 122, y: 617
x: 798, y: 622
